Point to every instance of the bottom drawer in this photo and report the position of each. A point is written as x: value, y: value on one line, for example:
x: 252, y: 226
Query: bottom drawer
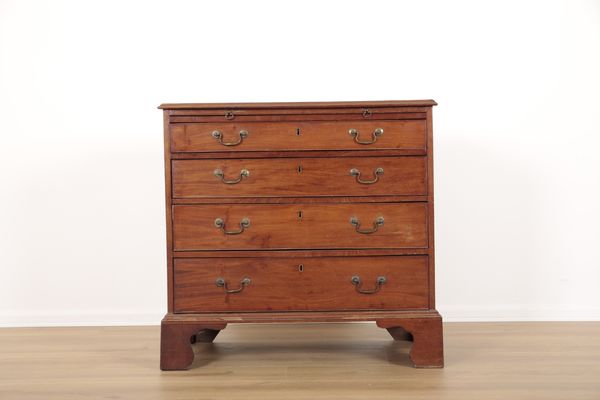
x: 300, y: 284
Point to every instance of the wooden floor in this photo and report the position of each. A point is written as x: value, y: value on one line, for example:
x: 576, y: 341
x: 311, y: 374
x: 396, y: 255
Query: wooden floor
x: 506, y: 361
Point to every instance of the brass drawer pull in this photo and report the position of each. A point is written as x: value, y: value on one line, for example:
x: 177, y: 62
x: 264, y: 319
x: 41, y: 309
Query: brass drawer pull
x: 376, y: 224
x: 220, y: 282
x: 244, y: 223
x: 381, y: 280
x: 219, y: 136
x: 220, y: 174
x: 354, y: 133
x: 355, y: 172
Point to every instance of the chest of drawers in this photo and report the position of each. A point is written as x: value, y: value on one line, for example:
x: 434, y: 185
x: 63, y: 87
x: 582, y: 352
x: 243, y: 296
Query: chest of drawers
x: 299, y: 212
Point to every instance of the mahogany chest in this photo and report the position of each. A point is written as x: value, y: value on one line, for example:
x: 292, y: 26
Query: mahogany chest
x: 300, y: 212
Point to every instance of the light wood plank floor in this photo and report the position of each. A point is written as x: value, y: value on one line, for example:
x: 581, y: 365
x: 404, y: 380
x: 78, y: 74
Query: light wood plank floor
x: 507, y: 361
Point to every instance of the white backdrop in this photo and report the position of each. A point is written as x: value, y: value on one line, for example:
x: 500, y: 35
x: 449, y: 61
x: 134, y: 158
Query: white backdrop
x: 517, y: 138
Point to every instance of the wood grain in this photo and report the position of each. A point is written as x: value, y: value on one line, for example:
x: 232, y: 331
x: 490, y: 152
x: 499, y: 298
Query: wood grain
x: 280, y: 116
x: 430, y: 208
x: 302, y: 253
x: 288, y: 177
x: 289, y: 284
x: 426, y: 334
x: 307, y: 105
x: 168, y: 209
x: 299, y: 198
x: 316, y: 112
x: 300, y: 154
x: 509, y: 360
x: 253, y: 317
x: 176, y: 340
x: 303, y: 200
x: 299, y: 226
x: 310, y: 135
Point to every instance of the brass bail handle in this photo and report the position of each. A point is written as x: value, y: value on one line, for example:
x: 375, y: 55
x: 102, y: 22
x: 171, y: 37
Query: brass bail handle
x: 219, y: 136
x: 220, y: 174
x: 381, y: 280
x: 220, y: 282
x: 244, y: 223
x: 376, y: 174
x: 355, y: 134
x: 376, y: 224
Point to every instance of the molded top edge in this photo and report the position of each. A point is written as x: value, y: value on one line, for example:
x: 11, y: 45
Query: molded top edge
x: 324, y: 104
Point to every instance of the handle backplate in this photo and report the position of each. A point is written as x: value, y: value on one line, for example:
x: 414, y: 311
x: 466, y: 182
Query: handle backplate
x: 220, y: 174
x: 219, y: 136
x: 220, y: 282
x: 355, y: 134
x: 376, y: 174
x: 376, y: 224
x: 355, y: 280
x: 244, y: 223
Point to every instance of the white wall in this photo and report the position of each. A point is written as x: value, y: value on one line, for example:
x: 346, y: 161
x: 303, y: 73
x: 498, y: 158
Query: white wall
x: 517, y: 135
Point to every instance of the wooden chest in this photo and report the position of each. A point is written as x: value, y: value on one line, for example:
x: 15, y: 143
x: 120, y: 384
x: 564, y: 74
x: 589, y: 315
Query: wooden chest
x: 300, y: 212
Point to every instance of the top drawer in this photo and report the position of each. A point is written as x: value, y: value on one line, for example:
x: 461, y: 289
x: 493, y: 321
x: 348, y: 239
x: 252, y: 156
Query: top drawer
x: 299, y: 135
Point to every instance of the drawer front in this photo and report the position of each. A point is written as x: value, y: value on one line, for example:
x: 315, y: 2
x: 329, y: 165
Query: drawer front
x: 273, y: 136
x: 288, y: 284
x: 299, y: 226
x: 345, y: 176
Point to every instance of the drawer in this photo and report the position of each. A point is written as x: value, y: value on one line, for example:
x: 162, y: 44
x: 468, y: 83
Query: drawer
x: 289, y: 284
x: 281, y: 177
x: 273, y: 136
x: 299, y: 226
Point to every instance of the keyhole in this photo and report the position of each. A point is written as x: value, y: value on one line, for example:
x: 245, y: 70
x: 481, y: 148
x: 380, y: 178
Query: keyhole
x: 301, y: 267
x: 300, y: 168
x: 300, y: 215
x: 297, y: 131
